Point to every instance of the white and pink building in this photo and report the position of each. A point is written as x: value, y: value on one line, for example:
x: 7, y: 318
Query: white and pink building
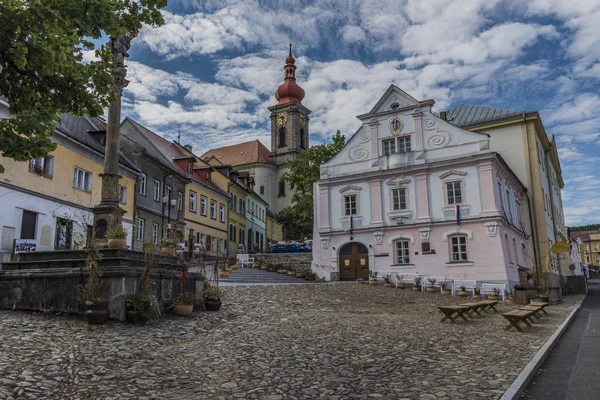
x: 413, y: 194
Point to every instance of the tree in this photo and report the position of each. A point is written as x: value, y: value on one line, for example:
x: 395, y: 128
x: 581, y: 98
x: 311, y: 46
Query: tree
x: 297, y: 219
x: 42, y: 73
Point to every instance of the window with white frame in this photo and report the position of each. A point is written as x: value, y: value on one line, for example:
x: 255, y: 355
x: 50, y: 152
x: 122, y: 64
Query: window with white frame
x: 82, y: 179
x: 234, y: 202
x: 458, y: 248
x: 43, y: 166
x: 402, y: 252
x: 213, y: 209
x: 154, y: 233
x: 509, y: 206
x: 122, y: 195
x: 203, y: 200
x: 179, y: 200
x: 193, y: 200
x: 140, y: 229
x: 399, y: 199
x: 156, y: 192
x: 454, y: 192
x: 389, y: 146
x: 222, y: 212
x: 350, y: 204
x: 404, y: 144
x: 501, y: 196
x: 168, y: 193
x: 142, y: 184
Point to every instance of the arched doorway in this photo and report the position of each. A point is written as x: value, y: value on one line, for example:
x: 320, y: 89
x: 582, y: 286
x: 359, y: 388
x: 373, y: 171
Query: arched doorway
x: 353, y: 261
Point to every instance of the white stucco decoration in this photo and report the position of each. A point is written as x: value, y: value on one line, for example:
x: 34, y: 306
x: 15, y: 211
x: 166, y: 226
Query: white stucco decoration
x: 402, y: 236
x: 425, y: 233
x: 378, y: 237
x: 452, y: 172
x: 350, y: 187
x: 324, y: 242
x: 398, y: 181
x: 358, y: 153
x: 457, y: 231
x: 492, y: 228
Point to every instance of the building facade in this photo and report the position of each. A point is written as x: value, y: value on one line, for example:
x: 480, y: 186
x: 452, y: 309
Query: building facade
x: 274, y: 230
x: 47, y: 202
x: 410, y: 193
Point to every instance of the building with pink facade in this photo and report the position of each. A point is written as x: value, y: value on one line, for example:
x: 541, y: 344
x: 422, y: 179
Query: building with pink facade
x: 412, y: 194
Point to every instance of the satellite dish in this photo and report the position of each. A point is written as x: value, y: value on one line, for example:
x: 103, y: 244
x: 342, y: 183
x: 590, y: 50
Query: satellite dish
x: 561, y: 248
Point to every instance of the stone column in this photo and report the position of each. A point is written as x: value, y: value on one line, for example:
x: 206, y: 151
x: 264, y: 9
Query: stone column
x: 418, y: 119
x: 422, y: 189
x: 376, y: 203
x: 487, y: 184
x: 108, y: 212
x: 373, y: 133
x: 323, y: 211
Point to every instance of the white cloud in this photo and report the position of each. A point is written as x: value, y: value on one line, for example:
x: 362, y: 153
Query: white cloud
x: 353, y: 34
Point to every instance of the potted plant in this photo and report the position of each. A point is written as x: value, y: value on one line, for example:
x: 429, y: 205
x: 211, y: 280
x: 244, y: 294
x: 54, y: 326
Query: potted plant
x: 212, y: 297
x: 310, y: 275
x: 401, y: 284
x: 183, y: 303
x: 417, y: 287
x: 431, y: 287
x: 117, y: 237
x: 90, y: 294
x: 463, y: 291
x: 373, y: 278
x: 360, y: 280
x: 143, y: 302
x: 223, y: 272
x: 507, y: 297
x: 477, y: 294
x: 495, y: 294
x: 291, y: 272
x: 169, y: 246
x: 444, y: 288
x: 299, y: 274
x: 388, y: 281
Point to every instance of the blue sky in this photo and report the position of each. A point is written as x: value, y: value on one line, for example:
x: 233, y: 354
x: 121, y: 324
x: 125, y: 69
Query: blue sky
x: 211, y: 71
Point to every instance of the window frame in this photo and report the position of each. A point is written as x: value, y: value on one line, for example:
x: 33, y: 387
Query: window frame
x: 179, y: 200
x: 392, y: 142
x: 222, y: 212
x: 347, y: 204
x: 203, y: 207
x: 140, y: 227
x: 404, y: 140
x: 143, y: 183
x: 461, y: 184
x: 155, y: 231
x: 35, y: 216
x: 122, y: 194
x: 85, y: 174
x: 193, y: 201
x: 460, y: 250
x: 405, y: 249
x: 392, y: 199
x: 156, y: 190
x: 46, y: 162
x: 213, y: 209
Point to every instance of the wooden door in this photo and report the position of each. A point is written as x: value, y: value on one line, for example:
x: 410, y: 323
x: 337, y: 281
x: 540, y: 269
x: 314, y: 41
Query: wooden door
x: 353, y: 261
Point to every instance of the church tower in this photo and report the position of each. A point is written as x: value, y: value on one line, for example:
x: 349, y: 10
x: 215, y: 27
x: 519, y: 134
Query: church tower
x: 289, y: 118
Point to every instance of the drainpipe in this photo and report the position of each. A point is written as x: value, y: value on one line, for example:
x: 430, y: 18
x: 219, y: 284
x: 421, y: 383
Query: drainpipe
x: 534, y: 227
x: 134, y: 225
x: 162, y: 208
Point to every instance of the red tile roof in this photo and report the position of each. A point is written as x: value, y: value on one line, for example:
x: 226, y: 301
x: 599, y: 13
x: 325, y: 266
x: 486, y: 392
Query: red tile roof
x: 240, y: 154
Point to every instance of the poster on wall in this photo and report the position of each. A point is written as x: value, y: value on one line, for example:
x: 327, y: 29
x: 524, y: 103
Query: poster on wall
x: 25, y: 246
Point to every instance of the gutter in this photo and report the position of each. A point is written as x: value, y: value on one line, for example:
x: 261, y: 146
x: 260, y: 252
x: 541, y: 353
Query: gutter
x: 534, y: 231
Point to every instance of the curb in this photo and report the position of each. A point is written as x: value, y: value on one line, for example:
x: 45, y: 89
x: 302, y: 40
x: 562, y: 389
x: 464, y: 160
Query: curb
x: 521, y: 382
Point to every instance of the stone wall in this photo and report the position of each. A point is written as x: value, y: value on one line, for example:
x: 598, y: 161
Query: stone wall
x: 294, y: 260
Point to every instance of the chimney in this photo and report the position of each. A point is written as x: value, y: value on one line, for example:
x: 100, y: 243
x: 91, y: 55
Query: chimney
x: 443, y: 115
x: 188, y: 146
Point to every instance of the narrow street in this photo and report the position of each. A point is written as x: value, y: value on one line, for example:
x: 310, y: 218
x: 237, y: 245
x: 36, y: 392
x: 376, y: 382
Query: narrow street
x: 571, y: 370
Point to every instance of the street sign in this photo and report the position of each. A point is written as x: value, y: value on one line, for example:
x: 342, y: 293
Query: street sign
x: 561, y: 248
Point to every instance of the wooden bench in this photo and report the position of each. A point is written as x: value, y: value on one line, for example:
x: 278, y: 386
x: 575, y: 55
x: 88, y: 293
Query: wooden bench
x: 489, y: 305
x: 535, y: 309
x: 539, y: 304
x: 449, y: 312
x: 516, y: 316
x: 470, y: 286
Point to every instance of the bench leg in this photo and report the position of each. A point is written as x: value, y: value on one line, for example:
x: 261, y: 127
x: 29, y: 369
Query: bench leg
x: 515, y: 323
x: 544, y: 311
x: 461, y: 313
x: 448, y: 315
x: 526, y: 321
x: 492, y: 307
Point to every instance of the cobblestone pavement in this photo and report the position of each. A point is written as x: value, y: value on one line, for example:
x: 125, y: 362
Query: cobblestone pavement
x: 333, y: 341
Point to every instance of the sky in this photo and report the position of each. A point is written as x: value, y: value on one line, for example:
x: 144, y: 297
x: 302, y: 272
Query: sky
x: 210, y: 72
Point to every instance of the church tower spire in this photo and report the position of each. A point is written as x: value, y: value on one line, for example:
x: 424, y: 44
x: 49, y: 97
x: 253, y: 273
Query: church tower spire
x: 289, y: 118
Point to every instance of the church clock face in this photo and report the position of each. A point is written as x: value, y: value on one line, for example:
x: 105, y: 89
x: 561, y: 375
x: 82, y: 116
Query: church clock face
x: 281, y: 119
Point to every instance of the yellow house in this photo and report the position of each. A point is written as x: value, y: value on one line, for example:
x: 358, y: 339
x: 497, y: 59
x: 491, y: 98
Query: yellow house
x: 274, y: 230
x: 522, y: 141
x: 47, y: 201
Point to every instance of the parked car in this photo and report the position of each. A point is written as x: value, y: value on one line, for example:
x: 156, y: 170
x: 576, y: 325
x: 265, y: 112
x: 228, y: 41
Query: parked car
x: 287, y: 248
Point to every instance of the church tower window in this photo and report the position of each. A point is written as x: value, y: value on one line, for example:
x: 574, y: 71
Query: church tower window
x: 302, y: 144
x: 281, y: 188
x: 282, y: 135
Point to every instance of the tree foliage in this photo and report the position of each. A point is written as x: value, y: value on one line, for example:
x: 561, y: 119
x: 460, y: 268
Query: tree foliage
x: 42, y: 73
x: 584, y: 228
x: 297, y: 219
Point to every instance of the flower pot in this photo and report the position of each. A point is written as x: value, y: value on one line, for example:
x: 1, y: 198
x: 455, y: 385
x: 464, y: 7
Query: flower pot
x: 224, y: 274
x: 463, y: 293
x: 476, y: 297
x: 492, y: 297
x: 299, y: 275
x: 264, y: 267
x: 388, y: 284
x: 291, y: 273
x: 446, y: 292
x: 212, y: 305
x: 168, y: 251
x: 401, y: 286
x: 509, y: 301
x: 97, y: 314
x: 183, y: 310
x: 430, y: 289
x: 416, y: 288
x: 360, y: 280
x: 117, y: 243
x: 136, y: 317
x: 373, y: 282
x: 235, y: 267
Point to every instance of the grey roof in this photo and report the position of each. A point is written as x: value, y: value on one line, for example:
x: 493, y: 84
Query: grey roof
x: 467, y: 114
x: 79, y: 128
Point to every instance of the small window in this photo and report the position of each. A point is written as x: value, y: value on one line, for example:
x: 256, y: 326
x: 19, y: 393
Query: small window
x: 154, y: 233
x: 156, y: 192
x: 302, y: 145
x: 168, y: 193
x: 404, y: 144
x: 425, y: 247
x: 241, y: 206
x: 193, y: 199
x: 28, y: 224
x: 140, y: 230
x: 350, y: 205
x: 389, y: 146
x: 262, y: 190
x: 398, y: 199
x: 142, y: 184
x: 213, y: 209
x: 454, y: 193
x: 203, y: 205
x: 282, y: 134
x: 222, y: 212
x: 122, y: 195
x: 234, y: 203
x: 402, y: 252
x: 179, y: 200
x: 43, y: 166
x: 281, y: 189
x: 458, y: 248
x: 82, y: 179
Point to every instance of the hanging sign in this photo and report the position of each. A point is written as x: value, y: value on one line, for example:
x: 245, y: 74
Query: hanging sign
x: 347, y: 263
